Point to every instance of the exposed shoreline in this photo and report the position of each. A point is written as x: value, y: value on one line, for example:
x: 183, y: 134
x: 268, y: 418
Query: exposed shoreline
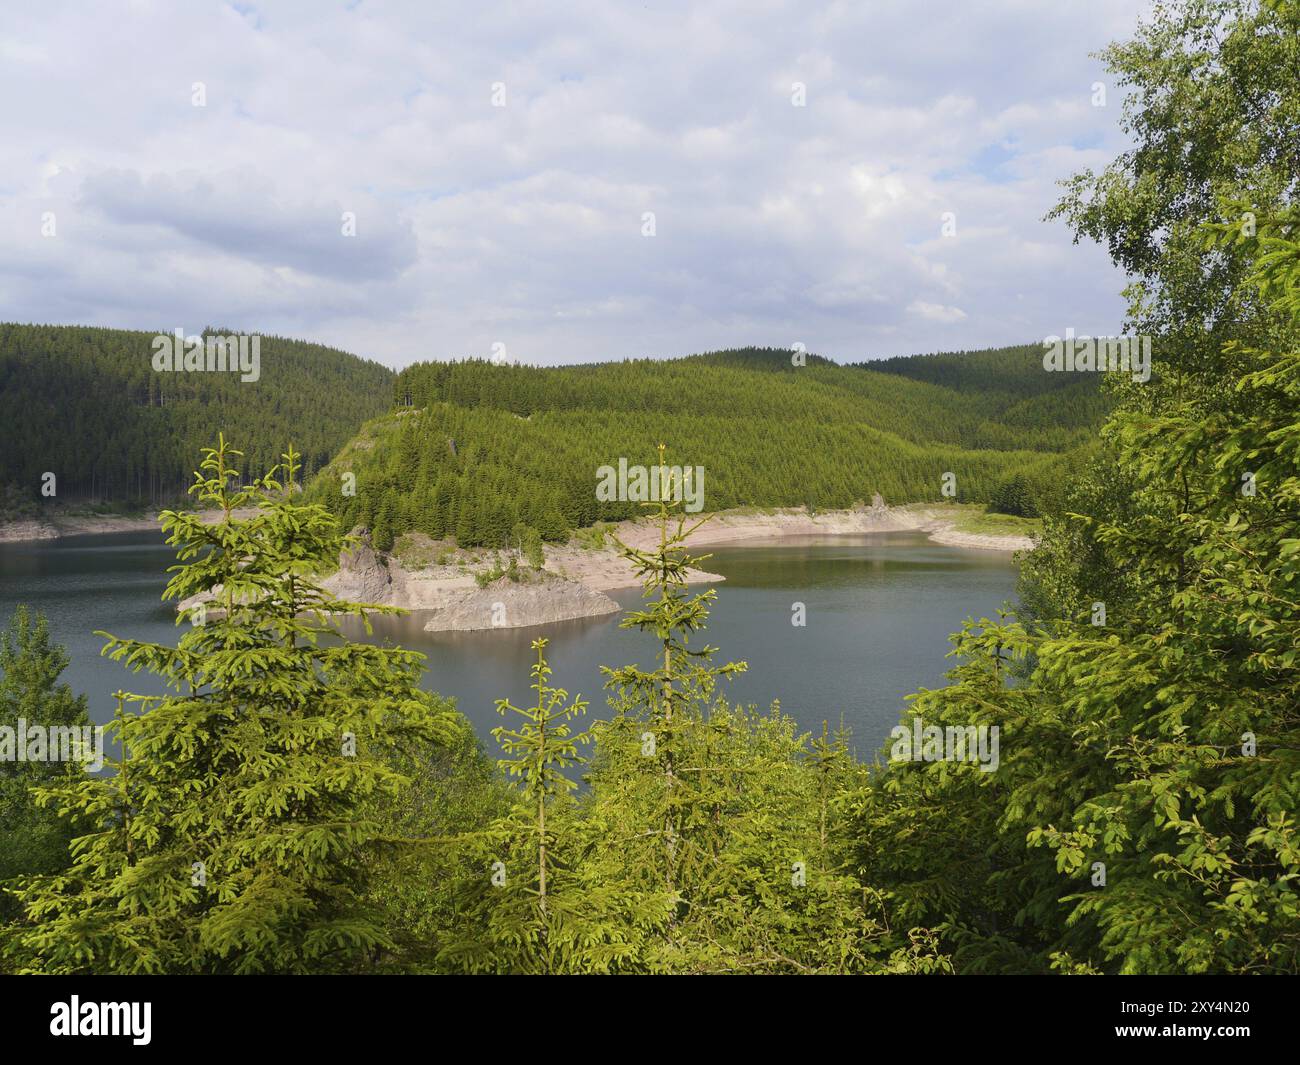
x: 14, y: 532
x: 576, y: 579
x: 726, y: 527
x: 60, y: 526
x: 936, y: 520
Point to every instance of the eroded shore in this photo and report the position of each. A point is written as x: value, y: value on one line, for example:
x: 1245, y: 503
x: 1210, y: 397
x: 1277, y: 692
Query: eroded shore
x: 60, y: 525
x: 575, y: 580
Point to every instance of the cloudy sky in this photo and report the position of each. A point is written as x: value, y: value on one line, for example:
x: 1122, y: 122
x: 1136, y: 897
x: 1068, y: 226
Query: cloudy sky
x: 524, y: 225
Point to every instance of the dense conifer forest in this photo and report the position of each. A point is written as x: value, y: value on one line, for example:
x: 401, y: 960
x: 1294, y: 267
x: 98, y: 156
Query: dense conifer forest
x: 89, y: 407
x: 474, y: 447
x: 469, y: 448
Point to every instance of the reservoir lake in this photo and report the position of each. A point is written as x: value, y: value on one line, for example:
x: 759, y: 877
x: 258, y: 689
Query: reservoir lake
x: 878, y: 610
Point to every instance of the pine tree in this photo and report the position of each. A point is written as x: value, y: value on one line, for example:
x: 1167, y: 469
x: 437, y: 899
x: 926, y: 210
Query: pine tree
x: 382, y: 536
x: 32, y: 838
x: 532, y: 548
x: 720, y: 808
x: 530, y: 902
x: 538, y: 753
x: 668, y: 698
x: 233, y: 836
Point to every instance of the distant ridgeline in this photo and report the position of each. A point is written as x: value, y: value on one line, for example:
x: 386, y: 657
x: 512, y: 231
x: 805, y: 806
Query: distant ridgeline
x: 474, y: 447
x: 88, y: 405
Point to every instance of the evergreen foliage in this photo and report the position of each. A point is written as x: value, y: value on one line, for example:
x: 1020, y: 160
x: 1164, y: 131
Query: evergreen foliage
x: 484, y: 446
x: 89, y: 407
x: 230, y: 837
x: 709, y: 839
x: 32, y: 838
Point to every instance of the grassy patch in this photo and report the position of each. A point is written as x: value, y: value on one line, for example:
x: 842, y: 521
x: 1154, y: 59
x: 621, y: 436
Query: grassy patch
x: 418, y: 551
x: 976, y: 518
x: 593, y: 538
x: 512, y: 569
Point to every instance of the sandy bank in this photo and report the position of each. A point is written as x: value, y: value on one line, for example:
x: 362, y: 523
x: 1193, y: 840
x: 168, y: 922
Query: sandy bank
x: 58, y: 525
x: 605, y: 571
x: 72, y: 525
x: 738, y: 527
x: 575, y: 579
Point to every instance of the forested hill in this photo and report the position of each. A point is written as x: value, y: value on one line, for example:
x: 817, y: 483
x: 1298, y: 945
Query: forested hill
x: 473, y: 447
x: 996, y: 370
x: 87, y: 405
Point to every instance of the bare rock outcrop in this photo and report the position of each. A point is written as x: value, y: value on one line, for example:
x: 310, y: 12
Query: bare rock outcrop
x: 507, y: 604
x: 362, y: 577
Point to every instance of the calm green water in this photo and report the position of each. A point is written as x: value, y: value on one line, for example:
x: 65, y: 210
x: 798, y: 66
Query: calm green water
x: 879, y: 610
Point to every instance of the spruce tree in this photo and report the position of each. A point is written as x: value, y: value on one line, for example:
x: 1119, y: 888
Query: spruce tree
x: 667, y: 699
x: 233, y: 837
x: 382, y: 536
x: 721, y: 808
x: 33, y: 839
x: 537, y: 754
x: 529, y: 900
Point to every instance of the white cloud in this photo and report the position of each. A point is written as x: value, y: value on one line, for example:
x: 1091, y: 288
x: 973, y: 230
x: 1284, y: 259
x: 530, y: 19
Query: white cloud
x: 936, y: 312
x: 522, y: 224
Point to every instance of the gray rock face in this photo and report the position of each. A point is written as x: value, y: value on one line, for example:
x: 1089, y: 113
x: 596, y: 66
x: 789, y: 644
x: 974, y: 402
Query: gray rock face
x: 505, y: 604
x: 454, y: 603
x: 362, y: 576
